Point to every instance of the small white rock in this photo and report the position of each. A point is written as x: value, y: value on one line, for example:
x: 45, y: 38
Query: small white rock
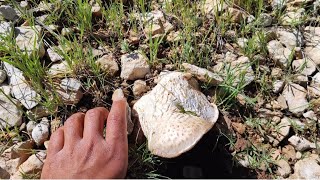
x: 139, y: 87
x: 284, y: 168
x: 300, y: 143
x: 108, y: 64
x: 53, y: 55
x: 30, y: 126
x: 134, y: 66
x: 40, y: 133
x: 278, y: 86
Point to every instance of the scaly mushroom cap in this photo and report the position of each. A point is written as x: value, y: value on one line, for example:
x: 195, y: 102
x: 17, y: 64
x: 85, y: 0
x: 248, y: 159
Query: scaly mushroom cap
x: 174, y: 115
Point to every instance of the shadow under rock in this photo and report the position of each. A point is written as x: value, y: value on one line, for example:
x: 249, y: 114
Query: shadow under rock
x: 208, y: 159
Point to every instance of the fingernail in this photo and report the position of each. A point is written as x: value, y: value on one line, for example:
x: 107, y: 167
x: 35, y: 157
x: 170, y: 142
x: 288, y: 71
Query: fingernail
x: 117, y: 95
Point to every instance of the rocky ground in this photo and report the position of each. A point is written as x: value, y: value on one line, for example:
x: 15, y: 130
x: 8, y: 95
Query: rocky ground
x: 237, y: 82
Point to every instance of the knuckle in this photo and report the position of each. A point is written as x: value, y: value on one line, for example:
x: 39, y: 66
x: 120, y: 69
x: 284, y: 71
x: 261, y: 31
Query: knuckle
x: 74, y: 118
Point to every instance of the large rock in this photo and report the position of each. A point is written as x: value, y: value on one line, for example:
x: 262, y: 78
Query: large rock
x: 279, y: 53
x: 21, y: 90
x: 177, y: 115
x: 8, y: 13
x: 28, y: 39
x: 134, y: 66
x: 307, y: 168
x: 296, y: 97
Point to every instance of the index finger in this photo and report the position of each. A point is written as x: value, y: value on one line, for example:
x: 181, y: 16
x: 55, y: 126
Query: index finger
x: 116, y: 131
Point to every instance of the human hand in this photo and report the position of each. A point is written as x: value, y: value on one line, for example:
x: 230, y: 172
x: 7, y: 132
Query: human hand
x: 79, y: 150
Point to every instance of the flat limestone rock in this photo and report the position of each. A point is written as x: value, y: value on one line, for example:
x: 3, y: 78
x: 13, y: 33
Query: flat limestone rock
x: 174, y: 115
x: 296, y: 97
x: 202, y: 74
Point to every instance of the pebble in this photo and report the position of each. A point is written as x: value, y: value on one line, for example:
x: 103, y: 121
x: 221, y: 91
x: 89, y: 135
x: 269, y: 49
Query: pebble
x: 139, y: 87
x: 40, y: 133
x: 134, y: 66
x: 8, y: 13
x: 30, y: 126
x: 108, y: 64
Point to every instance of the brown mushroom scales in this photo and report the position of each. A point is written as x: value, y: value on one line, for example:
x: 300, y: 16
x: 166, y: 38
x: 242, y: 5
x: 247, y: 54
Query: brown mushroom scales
x: 174, y: 115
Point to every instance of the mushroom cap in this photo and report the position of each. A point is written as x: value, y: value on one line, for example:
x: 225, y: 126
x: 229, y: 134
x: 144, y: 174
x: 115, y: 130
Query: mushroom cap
x: 174, y: 115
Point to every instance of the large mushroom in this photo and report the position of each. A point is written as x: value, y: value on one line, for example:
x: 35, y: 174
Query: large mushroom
x: 174, y: 115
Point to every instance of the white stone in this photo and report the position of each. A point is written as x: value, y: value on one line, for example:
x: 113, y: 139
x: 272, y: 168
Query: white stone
x: 66, y: 31
x: 310, y: 115
x: 278, y: 4
x: 59, y: 69
x: 314, y: 88
x: 134, y: 66
x: 278, y: 53
x: 295, y: 96
x: 307, y: 168
x: 108, y: 64
x: 278, y: 86
x: 300, y: 143
x: 242, y: 42
x: 28, y: 39
x: 3, y: 76
x: 202, y: 74
x: 40, y: 133
x: 53, y: 55
x: 8, y: 13
x: 174, y: 116
x: 284, y: 169
x: 30, y: 126
x: 304, y: 66
x: 5, y: 29
x: 11, y: 115
x: 290, y: 39
x: 293, y: 17
x: 313, y: 52
x: 139, y: 87
x: 213, y: 6
x: 70, y: 91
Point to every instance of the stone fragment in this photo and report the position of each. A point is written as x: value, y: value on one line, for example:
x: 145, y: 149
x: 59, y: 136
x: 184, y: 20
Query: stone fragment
x: 242, y: 42
x: 108, y: 64
x: 139, y: 87
x: 53, y: 55
x: 314, y: 87
x: 290, y: 39
x: 66, y: 31
x: 307, y: 168
x: 30, y: 126
x: 28, y: 39
x: 313, y: 52
x: 284, y: 169
x: 295, y: 96
x: 8, y: 13
x: 264, y: 20
x: 40, y: 133
x: 293, y: 17
x: 289, y: 152
x: 70, y: 90
x: 202, y: 74
x: 134, y: 66
x: 278, y: 86
x: 11, y: 115
x: 235, y: 15
x: 59, y: 69
x: 213, y: 6
x: 300, y: 143
x: 279, y: 53
x: 304, y: 66
x: 32, y: 166
x: 5, y: 29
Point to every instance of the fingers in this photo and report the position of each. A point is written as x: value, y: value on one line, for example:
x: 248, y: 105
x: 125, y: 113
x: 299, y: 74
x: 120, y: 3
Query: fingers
x: 116, y: 132
x: 56, y: 141
x: 73, y: 128
x: 94, y: 122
